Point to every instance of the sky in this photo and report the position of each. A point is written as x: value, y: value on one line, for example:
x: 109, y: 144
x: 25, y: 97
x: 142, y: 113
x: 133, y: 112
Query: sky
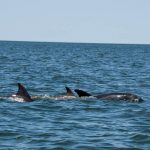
x: 85, y: 21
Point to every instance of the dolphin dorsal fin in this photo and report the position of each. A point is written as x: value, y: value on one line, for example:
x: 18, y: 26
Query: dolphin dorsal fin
x: 22, y: 92
x: 82, y: 93
x: 69, y: 92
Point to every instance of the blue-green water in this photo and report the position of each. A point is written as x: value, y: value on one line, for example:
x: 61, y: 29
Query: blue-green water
x: 46, y: 68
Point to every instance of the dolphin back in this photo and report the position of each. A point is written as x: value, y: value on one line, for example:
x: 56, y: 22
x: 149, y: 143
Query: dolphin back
x: 69, y: 92
x: 120, y: 96
x: 82, y: 93
x: 22, y: 93
x: 112, y: 96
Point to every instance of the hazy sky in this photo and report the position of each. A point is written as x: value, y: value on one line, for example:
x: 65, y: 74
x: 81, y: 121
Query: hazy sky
x: 100, y: 21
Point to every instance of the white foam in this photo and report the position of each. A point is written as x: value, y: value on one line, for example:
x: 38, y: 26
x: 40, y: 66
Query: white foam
x: 17, y: 99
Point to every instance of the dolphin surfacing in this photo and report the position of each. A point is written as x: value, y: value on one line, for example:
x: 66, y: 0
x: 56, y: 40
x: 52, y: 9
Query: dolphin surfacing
x: 69, y: 92
x: 22, y: 94
x: 112, y: 96
x: 82, y: 93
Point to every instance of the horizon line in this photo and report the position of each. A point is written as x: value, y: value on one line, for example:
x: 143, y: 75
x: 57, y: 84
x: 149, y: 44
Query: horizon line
x: 69, y: 42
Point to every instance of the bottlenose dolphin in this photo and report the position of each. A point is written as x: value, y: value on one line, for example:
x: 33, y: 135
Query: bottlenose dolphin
x: 69, y: 92
x: 22, y: 94
x: 112, y: 96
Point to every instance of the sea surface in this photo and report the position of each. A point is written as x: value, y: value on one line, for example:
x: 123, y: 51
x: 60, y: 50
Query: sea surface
x: 74, y: 124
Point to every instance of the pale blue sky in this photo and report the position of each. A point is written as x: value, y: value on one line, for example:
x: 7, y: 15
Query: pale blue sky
x: 100, y: 21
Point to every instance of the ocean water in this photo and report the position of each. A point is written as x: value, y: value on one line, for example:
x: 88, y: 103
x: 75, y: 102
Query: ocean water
x: 85, y: 124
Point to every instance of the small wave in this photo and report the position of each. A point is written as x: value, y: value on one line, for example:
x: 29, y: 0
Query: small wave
x: 47, y: 97
x: 17, y: 99
x: 42, y: 97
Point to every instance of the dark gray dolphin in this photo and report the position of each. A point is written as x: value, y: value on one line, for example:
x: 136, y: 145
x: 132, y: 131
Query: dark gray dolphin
x: 22, y: 93
x: 82, y: 93
x: 69, y: 92
x: 112, y: 96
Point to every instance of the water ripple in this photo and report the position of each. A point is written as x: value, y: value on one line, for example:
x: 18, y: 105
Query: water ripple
x: 46, y: 68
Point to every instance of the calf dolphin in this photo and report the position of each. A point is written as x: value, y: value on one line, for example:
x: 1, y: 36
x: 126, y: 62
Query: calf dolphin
x: 112, y: 96
x: 69, y: 92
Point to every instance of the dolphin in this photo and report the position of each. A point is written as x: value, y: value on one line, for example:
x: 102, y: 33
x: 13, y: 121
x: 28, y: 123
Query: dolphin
x: 22, y: 94
x: 111, y: 96
x: 69, y: 92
